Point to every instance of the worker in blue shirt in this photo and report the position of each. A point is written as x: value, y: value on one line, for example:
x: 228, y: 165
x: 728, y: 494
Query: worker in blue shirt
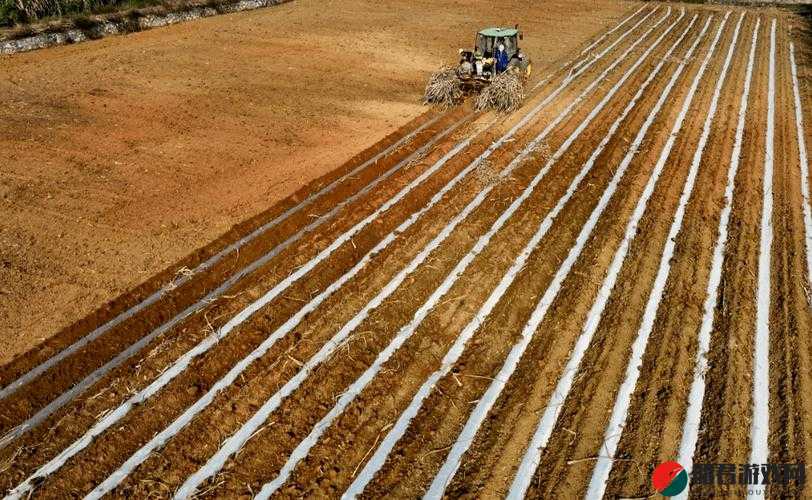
x: 501, y: 59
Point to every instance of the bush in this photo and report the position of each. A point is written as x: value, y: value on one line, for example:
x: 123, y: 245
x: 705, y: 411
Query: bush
x: 26, y: 11
x: 78, y: 11
x: 10, y: 14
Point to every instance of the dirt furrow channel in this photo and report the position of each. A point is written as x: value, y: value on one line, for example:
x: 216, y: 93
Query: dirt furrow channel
x: 379, y: 404
x: 64, y: 375
x: 790, y: 318
x: 145, y: 421
x: 657, y: 410
x: 724, y: 435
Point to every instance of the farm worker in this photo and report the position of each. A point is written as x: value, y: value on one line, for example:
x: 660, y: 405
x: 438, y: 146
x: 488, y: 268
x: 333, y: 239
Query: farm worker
x: 501, y: 59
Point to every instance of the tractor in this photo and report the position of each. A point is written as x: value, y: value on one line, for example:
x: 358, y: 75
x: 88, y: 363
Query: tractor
x: 478, y: 67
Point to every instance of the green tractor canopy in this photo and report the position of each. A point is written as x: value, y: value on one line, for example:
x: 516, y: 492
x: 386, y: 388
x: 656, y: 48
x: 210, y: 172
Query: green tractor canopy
x: 488, y: 39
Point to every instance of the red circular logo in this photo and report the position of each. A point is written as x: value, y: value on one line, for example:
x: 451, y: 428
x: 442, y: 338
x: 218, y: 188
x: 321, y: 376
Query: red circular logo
x: 669, y: 478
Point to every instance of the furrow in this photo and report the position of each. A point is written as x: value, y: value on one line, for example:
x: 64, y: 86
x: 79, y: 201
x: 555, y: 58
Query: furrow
x: 486, y: 402
x: 455, y: 351
x: 238, y: 440
x: 801, y: 344
x: 804, y: 164
x: 692, y: 421
x: 620, y: 411
x: 115, y: 415
x: 724, y: 436
x: 656, y: 415
x: 547, y: 423
x: 759, y: 429
x: 790, y: 315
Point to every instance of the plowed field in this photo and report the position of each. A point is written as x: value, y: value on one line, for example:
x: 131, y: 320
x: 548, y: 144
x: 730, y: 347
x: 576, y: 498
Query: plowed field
x: 545, y: 304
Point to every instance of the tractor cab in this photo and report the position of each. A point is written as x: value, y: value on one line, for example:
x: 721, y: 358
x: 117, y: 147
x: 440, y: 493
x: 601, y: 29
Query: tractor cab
x: 478, y: 66
x: 489, y: 39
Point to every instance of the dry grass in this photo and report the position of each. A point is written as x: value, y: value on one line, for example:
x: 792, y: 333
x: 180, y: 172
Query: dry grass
x: 443, y: 88
x: 504, y: 94
x: 22, y: 11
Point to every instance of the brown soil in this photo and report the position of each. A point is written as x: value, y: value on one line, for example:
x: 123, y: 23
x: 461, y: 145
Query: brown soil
x: 658, y: 404
x: 651, y: 437
x: 580, y: 427
x: 791, y: 314
x: 122, y: 156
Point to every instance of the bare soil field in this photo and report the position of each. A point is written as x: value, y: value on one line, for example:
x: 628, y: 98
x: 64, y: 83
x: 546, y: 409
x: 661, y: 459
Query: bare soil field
x: 544, y: 304
x: 123, y: 156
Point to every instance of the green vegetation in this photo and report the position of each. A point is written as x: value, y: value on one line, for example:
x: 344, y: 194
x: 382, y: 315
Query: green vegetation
x: 16, y: 12
x: 10, y: 14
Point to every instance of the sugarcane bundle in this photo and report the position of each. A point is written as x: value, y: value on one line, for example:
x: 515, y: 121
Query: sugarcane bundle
x: 443, y: 88
x: 505, y: 93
